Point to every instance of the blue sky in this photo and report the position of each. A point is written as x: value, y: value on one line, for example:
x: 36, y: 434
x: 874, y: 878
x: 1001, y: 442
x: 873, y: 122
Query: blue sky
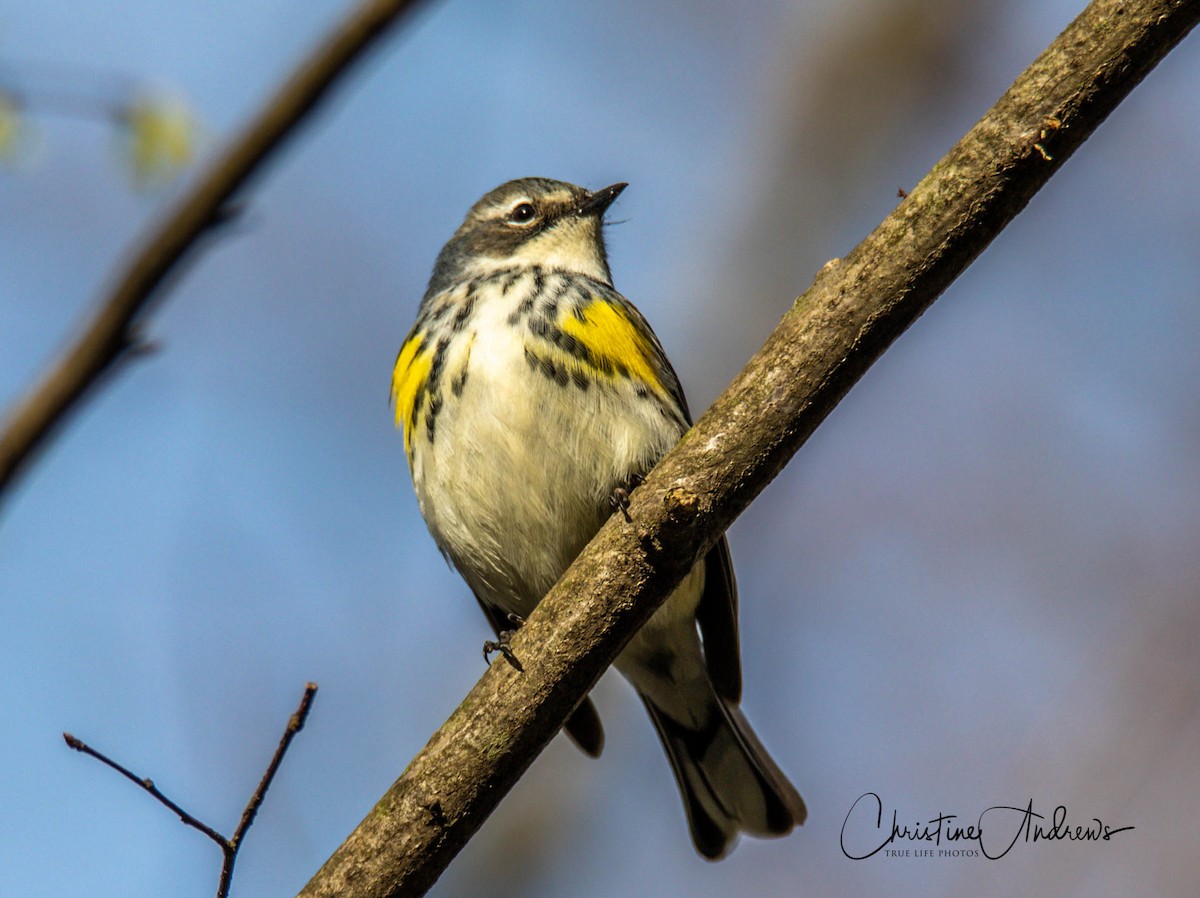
x: 976, y: 585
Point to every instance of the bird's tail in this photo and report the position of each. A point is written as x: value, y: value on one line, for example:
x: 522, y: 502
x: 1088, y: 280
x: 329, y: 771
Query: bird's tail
x: 728, y: 781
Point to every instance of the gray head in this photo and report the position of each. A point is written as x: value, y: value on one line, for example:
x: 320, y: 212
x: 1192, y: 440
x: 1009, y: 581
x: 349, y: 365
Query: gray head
x: 531, y: 221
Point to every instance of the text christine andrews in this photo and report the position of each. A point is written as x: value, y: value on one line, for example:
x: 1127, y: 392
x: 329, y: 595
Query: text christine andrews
x: 867, y: 832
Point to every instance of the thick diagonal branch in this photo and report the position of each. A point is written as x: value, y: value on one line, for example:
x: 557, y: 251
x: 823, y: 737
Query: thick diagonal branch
x: 850, y: 315
x: 170, y: 242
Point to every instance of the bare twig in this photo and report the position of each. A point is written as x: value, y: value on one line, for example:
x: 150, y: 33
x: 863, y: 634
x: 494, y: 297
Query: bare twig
x: 229, y: 846
x: 832, y: 334
x: 147, y: 784
x: 173, y: 240
x: 295, y: 724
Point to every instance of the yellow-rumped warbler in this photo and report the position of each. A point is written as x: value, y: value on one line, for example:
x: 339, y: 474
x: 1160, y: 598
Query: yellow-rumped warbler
x: 530, y: 393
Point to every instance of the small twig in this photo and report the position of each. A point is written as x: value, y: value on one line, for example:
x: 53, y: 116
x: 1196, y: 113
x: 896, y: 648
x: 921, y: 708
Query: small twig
x: 295, y: 724
x: 148, y: 785
x: 229, y: 846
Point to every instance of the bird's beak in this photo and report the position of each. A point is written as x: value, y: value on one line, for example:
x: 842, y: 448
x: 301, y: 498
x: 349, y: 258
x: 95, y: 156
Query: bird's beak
x: 596, y: 203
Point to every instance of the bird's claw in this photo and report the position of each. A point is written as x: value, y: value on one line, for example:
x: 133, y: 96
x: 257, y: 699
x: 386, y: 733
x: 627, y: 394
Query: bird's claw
x: 502, y: 643
x: 619, y: 500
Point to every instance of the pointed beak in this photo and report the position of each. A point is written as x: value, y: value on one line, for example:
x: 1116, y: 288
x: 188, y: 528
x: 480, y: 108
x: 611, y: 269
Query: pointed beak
x: 596, y: 203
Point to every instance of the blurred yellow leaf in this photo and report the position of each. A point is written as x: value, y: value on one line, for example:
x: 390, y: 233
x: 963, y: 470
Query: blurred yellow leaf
x: 162, y: 139
x: 10, y: 128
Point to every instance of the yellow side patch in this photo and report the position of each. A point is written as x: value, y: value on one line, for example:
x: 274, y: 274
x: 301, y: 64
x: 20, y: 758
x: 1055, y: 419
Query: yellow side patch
x: 609, y: 333
x: 408, y: 377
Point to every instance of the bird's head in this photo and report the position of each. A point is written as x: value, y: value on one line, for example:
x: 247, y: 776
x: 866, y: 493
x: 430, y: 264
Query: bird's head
x: 530, y: 221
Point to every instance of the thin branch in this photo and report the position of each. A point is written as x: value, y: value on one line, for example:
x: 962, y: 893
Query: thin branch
x: 229, y: 847
x: 295, y: 725
x: 147, y: 784
x: 855, y: 309
x: 175, y: 238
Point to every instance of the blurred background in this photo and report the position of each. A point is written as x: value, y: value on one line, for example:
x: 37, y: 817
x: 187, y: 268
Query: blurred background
x: 976, y: 585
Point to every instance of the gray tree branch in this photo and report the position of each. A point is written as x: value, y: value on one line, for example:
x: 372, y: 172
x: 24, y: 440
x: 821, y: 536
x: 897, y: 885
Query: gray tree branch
x: 843, y: 322
x: 111, y: 334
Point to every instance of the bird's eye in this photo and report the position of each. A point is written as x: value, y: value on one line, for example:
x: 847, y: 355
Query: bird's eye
x: 522, y: 213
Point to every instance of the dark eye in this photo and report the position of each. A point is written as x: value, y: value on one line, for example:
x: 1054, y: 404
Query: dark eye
x: 522, y: 213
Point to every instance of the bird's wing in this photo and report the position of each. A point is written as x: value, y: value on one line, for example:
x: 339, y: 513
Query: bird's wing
x: 717, y: 616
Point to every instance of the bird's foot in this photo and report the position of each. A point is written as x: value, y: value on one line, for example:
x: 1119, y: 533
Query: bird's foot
x: 502, y: 643
x: 619, y: 499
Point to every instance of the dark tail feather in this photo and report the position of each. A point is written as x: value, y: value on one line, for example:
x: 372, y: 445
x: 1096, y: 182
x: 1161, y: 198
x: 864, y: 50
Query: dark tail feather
x: 583, y: 726
x: 728, y: 781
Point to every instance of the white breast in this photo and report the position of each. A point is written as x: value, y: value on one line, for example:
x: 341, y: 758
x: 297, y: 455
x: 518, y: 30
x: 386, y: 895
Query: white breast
x: 519, y: 474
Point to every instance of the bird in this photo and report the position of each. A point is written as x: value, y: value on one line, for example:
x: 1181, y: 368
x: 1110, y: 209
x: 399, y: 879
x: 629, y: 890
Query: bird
x: 532, y: 394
